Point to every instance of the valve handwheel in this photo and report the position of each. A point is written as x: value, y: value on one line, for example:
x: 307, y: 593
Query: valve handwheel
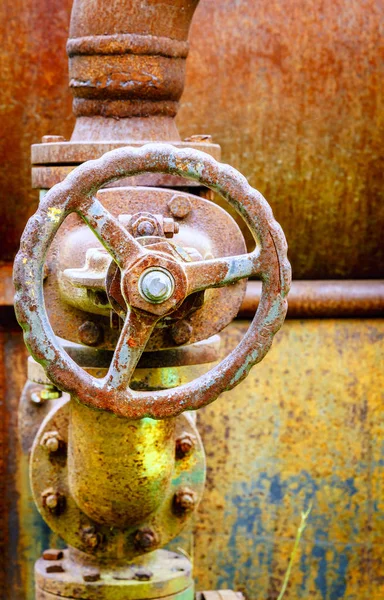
x: 152, y: 284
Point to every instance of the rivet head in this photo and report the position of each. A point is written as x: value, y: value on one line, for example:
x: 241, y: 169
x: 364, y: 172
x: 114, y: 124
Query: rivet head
x: 184, y: 501
x: 146, y: 539
x: 156, y: 285
x: 185, y: 443
x: 180, y: 206
x: 90, y: 333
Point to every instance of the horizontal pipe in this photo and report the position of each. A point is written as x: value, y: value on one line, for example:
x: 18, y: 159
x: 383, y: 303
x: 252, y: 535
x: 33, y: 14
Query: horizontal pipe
x: 316, y: 299
x: 328, y: 298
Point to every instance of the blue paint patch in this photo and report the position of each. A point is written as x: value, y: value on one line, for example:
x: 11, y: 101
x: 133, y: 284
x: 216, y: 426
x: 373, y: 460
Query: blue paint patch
x: 319, y: 552
x: 339, y: 585
x: 251, y: 529
x: 276, y: 490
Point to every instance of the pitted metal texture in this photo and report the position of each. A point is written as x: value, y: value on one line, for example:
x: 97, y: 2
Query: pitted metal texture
x: 268, y: 261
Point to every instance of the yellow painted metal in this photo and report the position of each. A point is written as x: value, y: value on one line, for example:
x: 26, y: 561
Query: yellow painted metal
x: 119, y: 471
x: 306, y: 425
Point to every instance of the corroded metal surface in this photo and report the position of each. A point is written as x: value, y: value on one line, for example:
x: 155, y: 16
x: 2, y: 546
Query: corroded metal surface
x: 161, y: 574
x: 219, y: 595
x: 200, y: 236
x: 291, y: 91
x: 94, y: 360
x: 91, y: 475
x: 52, y: 161
x: 319, y: 155
x: 317, y: 427
x: 127, y: 61
x: 268, y: 261
x: 74, y: 153
x: 311, y: 299
x: 34, y: 101
x: 119, y: 472
x: 307, y: 425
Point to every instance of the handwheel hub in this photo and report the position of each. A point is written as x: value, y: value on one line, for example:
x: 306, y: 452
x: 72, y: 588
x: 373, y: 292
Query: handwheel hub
x: 156, y: 285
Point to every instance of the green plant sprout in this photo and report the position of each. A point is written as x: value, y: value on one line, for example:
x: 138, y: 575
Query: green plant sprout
x: 302, y: 526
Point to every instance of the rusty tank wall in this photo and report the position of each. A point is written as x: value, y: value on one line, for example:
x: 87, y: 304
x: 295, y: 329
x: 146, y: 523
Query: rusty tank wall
x: 292, y: 92
x: 307, y: 425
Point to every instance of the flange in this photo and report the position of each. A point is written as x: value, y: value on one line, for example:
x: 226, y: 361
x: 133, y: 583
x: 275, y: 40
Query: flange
x: 162, y: 574
x: 50, y: 488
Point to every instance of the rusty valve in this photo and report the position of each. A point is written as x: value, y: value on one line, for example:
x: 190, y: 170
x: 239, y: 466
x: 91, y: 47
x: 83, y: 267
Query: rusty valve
x: 153, y: 284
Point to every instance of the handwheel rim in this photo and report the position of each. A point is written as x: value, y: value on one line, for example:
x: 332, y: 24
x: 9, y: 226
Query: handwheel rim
x: 73, y: 194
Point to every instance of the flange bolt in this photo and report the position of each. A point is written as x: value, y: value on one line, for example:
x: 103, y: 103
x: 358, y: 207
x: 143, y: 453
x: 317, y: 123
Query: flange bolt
x: 180, y: 206
x: 185, y: 443
x: 146, y: 539
x: 53, y: 501
x: 184, y: 501
x: 52, y: 441
x: 53, y: 554
x: 91, y: 537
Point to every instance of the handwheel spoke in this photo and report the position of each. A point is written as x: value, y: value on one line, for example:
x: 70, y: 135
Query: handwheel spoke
x: 123, y: 248
x: 134, y: 336
x: 219, y: 272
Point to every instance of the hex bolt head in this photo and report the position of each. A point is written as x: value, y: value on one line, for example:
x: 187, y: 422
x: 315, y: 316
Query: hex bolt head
x: 145, y: 228
x: 53, y: 554
x: 91, y: 537
x: 184, y: 501
x: 51, y: 441
x: 91, y: 574
x: 90, y: 333
x: 185, y: 443
x: 156, y: 285
x: 143, y: 574
x: 181, y: 332
x: 180, y: 206
x: 53, y: 501
x: 146, y: 539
